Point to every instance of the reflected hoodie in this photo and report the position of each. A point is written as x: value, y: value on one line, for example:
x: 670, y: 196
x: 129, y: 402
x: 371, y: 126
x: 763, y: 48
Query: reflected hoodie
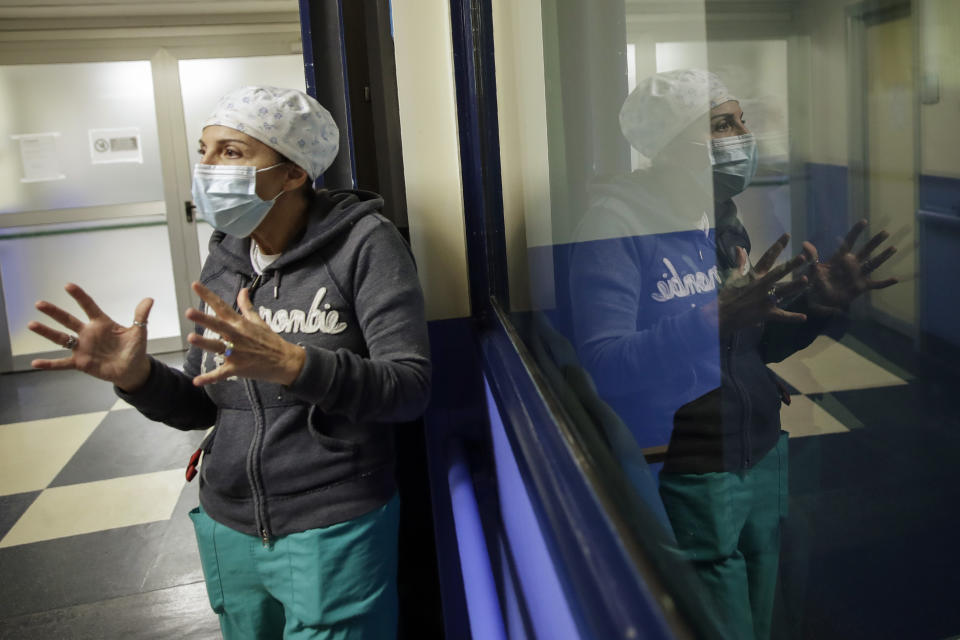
x: 644, y: 280
x: 284, y: 459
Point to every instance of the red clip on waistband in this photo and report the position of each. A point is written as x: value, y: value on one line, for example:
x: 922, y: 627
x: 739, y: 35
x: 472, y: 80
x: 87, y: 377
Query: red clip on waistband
x: 192, y: 466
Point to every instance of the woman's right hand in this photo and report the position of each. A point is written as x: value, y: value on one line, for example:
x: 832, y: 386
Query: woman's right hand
x: 752, y: 295
x: 103, y: 349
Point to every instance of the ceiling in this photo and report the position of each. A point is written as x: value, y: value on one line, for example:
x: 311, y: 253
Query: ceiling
x: 21, y: 15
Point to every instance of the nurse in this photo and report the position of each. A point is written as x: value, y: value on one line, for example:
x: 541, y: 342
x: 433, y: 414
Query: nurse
x: 311, y: 342
x: 677, y: 326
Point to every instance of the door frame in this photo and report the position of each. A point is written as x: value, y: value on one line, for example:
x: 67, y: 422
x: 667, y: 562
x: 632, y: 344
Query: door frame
x: 177, y: 162
x: 858, y: 17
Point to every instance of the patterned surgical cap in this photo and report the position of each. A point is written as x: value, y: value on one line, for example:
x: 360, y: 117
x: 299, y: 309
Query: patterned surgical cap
x: 286, y: 120
x: 665, y: 104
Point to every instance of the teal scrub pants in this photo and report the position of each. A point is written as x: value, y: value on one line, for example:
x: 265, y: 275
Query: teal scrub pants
x: 333, y: 583
x: 728, y: 525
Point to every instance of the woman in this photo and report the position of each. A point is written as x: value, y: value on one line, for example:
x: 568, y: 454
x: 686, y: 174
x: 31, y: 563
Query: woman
x: 676, y: 327
x: 311, y: 342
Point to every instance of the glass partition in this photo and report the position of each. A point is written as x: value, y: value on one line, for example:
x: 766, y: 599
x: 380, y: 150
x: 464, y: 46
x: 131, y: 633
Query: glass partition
x: 78, y: 135
x: 730, y: 229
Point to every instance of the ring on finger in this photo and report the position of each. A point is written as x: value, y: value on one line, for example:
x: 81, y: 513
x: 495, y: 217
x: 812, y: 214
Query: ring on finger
x: 228, y: 351
x: 867, y: 266
x: 772, y: 296
x: 71, y: 343
x: 141, y: 324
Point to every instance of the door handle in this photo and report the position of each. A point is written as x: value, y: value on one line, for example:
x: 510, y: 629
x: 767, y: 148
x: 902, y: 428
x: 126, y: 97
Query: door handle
x: 189, y: 209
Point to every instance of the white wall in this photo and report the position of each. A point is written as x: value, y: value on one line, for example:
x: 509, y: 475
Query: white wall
x: 940, y: 57
x: 431, y: 159
x: 524, y: 158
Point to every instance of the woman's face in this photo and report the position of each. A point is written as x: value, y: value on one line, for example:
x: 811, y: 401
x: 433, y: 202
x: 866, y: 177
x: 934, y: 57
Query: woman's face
x: 727, y: 120
x: 223, y: 145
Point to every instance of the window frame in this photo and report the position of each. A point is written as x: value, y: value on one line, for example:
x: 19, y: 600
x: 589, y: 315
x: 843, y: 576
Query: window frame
x: 607, y: 577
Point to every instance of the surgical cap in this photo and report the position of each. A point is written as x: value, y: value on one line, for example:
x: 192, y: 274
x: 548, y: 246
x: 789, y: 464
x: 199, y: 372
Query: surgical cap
x: 665, y: 104
x: 288, y: 121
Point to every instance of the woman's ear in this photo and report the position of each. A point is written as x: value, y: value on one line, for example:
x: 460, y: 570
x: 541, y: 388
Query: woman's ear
x: 296, y: 177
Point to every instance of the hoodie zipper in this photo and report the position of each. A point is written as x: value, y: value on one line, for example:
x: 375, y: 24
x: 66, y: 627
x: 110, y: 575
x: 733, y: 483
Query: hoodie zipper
x: 745, y: 405
x: 254, y: 460
x: 255, y: 452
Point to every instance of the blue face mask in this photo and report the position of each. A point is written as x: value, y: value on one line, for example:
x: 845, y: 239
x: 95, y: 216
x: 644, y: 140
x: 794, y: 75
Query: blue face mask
x: 734, y: 161
x: 226, y: 197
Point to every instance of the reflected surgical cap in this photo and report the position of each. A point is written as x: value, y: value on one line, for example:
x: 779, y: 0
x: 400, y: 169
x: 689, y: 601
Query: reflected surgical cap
x: 665, y: 104
x: 288, y: 121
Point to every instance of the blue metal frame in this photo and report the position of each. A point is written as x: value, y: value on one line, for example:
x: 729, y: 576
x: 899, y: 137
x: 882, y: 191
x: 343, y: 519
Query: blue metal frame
x: 473, y: 64
x: 607, y: 594
x: 325, y: 70
x: 346, y: 96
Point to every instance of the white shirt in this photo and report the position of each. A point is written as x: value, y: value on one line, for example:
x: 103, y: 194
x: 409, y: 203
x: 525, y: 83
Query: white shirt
x: 260, y: 261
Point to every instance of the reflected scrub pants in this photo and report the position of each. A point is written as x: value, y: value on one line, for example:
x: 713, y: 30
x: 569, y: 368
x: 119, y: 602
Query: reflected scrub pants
x: 333, y: 583
x: 728, y: 525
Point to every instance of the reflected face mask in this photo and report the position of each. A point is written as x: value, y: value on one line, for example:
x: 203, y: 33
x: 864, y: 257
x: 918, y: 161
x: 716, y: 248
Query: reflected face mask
x: 734, y: 161
x: 226, y: 197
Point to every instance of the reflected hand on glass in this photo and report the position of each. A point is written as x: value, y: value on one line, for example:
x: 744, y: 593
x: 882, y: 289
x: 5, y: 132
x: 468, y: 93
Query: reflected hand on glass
x: 846, y: 275
x: 752, y: 295
x: 100, y: 347
x: 250, y: 349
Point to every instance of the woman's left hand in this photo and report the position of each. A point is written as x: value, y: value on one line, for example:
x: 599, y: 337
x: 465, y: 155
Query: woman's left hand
x: 250, y: 348
x: 835, y: 283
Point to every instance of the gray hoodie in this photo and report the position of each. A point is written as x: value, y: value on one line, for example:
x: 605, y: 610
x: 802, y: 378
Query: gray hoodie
x: 284, y: 459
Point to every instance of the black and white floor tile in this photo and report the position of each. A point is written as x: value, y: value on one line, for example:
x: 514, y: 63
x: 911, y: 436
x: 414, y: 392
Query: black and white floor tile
x: 93, y: 526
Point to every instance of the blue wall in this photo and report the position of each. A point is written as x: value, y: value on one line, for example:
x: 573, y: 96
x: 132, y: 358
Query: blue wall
x: 938, y: 230
x: 828, y: 213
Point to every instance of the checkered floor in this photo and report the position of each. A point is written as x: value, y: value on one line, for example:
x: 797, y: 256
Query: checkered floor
x: 823, y: 370
x: 93, y: 525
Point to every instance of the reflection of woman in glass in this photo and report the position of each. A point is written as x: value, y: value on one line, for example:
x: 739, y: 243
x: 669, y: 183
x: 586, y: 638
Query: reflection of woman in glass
x: 311, y: 342
x: 676, y: 327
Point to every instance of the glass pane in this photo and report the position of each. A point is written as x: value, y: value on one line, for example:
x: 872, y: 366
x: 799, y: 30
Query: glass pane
x: 77, y: 135
x: 203, y: 81
x: 654, y: 156
x: 118, y: 267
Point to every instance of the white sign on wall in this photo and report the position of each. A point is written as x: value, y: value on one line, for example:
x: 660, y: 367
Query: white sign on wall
x: 109, y: 146
x: 39, y: 157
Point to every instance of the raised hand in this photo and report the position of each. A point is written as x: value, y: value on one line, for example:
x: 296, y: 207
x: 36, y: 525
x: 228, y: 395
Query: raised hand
x: 248, y: 346
x: 99, y: 347
x: 846, y: 275
x: 752, y: 295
